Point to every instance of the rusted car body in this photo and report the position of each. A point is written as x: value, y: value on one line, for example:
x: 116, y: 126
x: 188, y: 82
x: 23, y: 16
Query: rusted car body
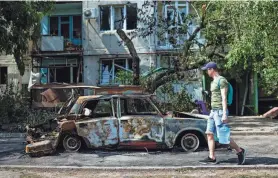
x: 116, y: 121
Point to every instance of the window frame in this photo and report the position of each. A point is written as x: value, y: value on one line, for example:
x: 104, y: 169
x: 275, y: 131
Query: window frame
x: 99, y: 99
x: 119, y: 111
x: 71, y: 27
x: 113, y: 75
x: 165, y: 44
x: 72, y: 63
x: 176, y: 19
x: 112, y: 17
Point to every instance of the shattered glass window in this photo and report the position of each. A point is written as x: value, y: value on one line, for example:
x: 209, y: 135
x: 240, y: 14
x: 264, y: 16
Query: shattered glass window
x: 105, y: 18
x: 75, y: 109
x: 103, y: 109
x: 131, y: 16
x: 140, y: 106
x: 118, y: 17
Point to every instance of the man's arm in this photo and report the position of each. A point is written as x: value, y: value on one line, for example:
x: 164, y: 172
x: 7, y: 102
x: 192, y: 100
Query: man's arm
x: 224, y: 92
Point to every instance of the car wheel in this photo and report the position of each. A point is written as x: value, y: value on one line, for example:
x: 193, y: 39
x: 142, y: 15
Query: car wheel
x: 190, y: 142
x: 72, y: 143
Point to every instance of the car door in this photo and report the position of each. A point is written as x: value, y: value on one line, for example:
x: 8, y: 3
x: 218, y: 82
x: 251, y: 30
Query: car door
x: 100, y: 128
x: 140, y: 125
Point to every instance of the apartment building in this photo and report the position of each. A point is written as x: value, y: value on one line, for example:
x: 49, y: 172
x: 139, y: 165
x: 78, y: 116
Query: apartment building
x: 79, y: 42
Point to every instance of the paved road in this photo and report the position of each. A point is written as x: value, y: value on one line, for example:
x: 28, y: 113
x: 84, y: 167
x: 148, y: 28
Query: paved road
x: 75, y: 173
x: 262, y: 150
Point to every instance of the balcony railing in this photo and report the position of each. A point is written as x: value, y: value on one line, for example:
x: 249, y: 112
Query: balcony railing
x: 59, y: 43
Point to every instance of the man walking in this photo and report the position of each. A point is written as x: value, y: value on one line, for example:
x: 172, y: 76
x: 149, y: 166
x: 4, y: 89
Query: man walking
x: 219, y: 116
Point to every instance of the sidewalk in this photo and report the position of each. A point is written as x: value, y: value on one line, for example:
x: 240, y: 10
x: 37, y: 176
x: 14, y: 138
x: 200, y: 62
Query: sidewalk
x: 253, y: 126
x: 246, y: 125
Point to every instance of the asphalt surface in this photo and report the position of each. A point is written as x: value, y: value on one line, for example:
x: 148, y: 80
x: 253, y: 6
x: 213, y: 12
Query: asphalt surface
x: 261, y: 150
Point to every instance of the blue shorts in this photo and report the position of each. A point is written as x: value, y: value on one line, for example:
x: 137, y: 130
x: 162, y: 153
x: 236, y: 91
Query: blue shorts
x: 214, y: 121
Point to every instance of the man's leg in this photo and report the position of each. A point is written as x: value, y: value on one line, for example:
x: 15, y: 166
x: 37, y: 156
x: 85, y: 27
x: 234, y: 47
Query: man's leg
x: 235, y: 146
x: 211, y: 145
x: 241, y: 153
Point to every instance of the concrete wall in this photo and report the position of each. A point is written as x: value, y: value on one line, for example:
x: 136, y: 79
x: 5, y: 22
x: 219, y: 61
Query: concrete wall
x: 13, y: 73
x: 99, y: 44
x: 106, y: 42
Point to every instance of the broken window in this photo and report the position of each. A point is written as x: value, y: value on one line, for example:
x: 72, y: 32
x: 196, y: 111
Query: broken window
x: 118, y: 17
x: 62, y: 70
x: 63, y: 75
x: 59, y: 74
x: 99, y: 108
x: 175, y: 15
x: 3, y: 75
x: 137, y: 106
x: 122, y: 17
x: 110, y: 68
x: 131, y: 17
x: 105, y: 18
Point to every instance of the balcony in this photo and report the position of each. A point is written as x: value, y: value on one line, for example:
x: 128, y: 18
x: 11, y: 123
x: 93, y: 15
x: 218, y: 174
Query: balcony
x: 59, y: 44
x: 52, y: 43
x: 61, y: 33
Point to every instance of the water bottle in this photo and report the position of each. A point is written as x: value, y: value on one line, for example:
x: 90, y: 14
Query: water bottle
x: 224, y: 134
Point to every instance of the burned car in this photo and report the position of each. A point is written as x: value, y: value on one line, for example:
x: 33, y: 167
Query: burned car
x: 116, y: 121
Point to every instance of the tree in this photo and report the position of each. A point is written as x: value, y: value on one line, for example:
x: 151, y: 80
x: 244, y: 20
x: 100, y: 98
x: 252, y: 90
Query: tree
x: 241, y: 37
x: 20, y: 23
x: 159, y: 25
x: 244, y: 36
x: 133, y: 53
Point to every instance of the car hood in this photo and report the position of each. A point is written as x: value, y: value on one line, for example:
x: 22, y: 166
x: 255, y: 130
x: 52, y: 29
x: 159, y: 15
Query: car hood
x: 179, y: 115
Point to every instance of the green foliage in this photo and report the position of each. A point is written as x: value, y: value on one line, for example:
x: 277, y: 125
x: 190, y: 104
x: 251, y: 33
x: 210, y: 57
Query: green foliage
x: 14, y: 109
x: 243, y: 37
x: 240, y: 37
x: 174, y: 101
x: 124, y: 77
x: 19, y: 24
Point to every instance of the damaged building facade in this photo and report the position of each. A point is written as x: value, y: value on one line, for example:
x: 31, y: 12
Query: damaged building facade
x: 104, y: 55
x: 79, y: 43
x: 58, y: 56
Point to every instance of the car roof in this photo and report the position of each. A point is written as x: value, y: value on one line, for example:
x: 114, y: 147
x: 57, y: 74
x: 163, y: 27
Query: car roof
x: 81, y: 99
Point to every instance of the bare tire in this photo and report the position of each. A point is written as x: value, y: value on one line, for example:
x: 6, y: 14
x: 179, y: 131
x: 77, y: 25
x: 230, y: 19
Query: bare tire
x: 190, y: 142
x: 72, y: 143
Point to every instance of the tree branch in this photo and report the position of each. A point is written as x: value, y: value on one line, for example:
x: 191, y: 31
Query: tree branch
x: 133, y: 53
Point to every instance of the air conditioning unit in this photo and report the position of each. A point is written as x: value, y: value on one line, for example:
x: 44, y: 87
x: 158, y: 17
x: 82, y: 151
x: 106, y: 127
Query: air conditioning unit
x: 91, y: 13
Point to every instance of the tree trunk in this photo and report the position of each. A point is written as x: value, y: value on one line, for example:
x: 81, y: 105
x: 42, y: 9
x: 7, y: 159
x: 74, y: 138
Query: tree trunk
x: 133, y: 53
